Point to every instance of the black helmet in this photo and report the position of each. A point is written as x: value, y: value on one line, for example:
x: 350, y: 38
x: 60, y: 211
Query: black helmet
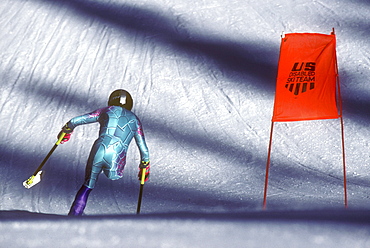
x: 120, y: 98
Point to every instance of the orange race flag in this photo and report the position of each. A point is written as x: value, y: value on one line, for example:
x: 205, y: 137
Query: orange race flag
x: 307, y: 86
x: 306, y: 79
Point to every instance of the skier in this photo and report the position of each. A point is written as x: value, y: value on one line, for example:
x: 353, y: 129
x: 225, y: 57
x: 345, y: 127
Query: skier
x: 118, y: 125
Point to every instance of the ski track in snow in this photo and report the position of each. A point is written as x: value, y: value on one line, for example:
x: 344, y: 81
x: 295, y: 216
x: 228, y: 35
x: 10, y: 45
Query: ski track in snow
x: 202, y: 75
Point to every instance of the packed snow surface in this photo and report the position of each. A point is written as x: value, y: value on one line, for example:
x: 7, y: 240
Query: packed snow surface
x: 202, y: 75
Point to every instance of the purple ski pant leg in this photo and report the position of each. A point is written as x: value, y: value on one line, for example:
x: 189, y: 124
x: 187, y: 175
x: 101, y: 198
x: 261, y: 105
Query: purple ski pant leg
x: 79, y: 203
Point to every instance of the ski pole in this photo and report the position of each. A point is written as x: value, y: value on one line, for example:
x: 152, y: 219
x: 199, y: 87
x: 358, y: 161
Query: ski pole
x: 141, y: 190
x: 36, y: 176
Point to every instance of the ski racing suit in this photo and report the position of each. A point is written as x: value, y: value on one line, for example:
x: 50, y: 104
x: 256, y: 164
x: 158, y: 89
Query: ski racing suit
x: 118, y: 126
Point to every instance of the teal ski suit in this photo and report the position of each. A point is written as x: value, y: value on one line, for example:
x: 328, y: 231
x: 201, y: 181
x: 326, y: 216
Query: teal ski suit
x: 118, y: 126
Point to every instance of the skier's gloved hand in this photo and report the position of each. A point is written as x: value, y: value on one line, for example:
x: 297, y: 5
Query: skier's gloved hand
x: 66, y: 137
x: 143, y: 165
x: 67, y: 134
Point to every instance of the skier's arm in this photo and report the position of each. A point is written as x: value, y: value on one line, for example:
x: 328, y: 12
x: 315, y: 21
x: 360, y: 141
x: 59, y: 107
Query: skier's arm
x: 144, y: 152
x: 76, y: 121
x: 84, y: 119
x: 141, y: 144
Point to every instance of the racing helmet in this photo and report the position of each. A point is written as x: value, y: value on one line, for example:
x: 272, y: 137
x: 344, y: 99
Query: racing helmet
x: 120, y: 98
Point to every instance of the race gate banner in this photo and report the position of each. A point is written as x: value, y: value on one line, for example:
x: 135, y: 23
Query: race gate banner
x: 307, y: 78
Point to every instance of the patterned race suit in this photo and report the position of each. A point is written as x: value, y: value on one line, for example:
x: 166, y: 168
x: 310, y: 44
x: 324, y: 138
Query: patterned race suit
x: 117, y: 128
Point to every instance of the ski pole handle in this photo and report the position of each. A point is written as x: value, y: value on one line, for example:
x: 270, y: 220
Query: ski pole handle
x: 143, y: 176
x: 60, y: 138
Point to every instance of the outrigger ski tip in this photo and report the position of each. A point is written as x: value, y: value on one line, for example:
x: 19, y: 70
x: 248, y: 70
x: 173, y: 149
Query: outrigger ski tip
x: 33, y: 180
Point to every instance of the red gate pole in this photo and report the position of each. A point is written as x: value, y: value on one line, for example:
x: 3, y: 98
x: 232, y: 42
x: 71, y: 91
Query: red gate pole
x: 342, y: 131
x: 344, y: 166
x: 343, y: 147
x: 268, y: 166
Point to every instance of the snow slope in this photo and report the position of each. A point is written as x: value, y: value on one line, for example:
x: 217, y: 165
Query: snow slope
x: 202, y: 74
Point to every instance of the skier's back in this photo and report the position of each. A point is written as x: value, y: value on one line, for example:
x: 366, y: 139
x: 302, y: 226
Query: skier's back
x: 118, y: 126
